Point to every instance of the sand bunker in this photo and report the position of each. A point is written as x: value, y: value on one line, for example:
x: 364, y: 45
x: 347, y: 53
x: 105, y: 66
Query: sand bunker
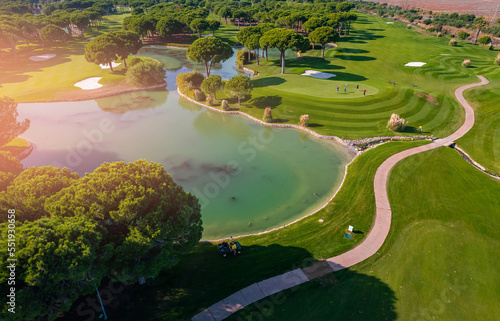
x: 42, y: 57
x: 390, y: 23
x: 415, y: 64
x: 106, y: 66
x: 90, y: 38
x: 89, y: 83
x: 318, y: 74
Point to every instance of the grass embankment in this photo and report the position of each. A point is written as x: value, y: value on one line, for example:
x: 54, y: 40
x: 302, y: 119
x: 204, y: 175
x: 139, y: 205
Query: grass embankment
x: 440, y: 260
x: 26, y: 80
x: 204, y: 277
x: 15, y: 146
x: 373, y: 54
x: 482, y: 142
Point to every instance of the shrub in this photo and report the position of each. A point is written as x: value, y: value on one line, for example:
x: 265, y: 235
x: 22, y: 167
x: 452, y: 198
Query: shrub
x: 268, y: 117
x: 431, y: 29
x: 484, y: 40
x: 210, y: 100
x: 409, y: 26
x: 466, y: 63
x: 427, y: 21
x: 198, y: 95
x: 133, y: 61
x: 453, y: 43
x: 304, y: 120
x: 242, y: 56
x: 462, y: 35
x: 396, y: 123
x: 188, y: 81
x: 148, y: 72
x: 497, y: 61
x: 224, y: 105
x: 439, y: 34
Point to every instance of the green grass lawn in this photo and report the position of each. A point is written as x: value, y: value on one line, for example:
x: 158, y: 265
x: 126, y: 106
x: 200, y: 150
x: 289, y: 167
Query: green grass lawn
x: 373, y: 54
x: 482, y: 142
x: 204, y: 277
x: 439, y: 262
x: 26, y: 80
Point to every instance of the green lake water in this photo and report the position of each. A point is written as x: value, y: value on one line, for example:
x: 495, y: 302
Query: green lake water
x: 249, y: 178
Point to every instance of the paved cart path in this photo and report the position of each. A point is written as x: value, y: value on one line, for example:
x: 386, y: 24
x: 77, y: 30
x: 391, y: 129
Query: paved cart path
x: 367, y: 248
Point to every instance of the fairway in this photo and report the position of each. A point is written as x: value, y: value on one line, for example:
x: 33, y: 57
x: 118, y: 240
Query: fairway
x: 371, y: 56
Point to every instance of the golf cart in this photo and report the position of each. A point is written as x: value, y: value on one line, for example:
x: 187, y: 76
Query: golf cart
x: 226, y: 248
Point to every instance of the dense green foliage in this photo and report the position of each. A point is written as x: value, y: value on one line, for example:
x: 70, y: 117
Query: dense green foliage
x: 124, y: 221
x: 146, y: 73
x: 28, y: 191
x: 209, y: 51
x: 323, y: 35
x: 211, y: 85
x: 189, y: 81
x: 238, y: 86
x: 102, y: 50
x: 10, y: 127
x: 53, y: 33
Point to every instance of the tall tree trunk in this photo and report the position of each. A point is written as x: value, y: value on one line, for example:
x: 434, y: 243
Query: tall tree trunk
x: 207, y: 71
x: 283, y: 62
x: 239, y: 100
x: 322, y: 50
x: 225, y: 18
x: 249, y: 56
x: 477, y: 34
x: 238, y: 23
x: 257, y: 57
x: 199, y: 33
x: 111, y: 66
x: 267, y: 55
x: 124, y: 62
x: 313, y: 45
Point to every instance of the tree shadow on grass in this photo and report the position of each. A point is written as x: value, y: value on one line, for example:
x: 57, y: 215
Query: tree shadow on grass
x: 199, y: 280
x: 343, y: 295
x: 264, y: 102
x: 268, y: 81
x: 352, y: 50
x: 315, y: 125
x: 344, y: 76
x: 355, y: 58
x: 309, y: 63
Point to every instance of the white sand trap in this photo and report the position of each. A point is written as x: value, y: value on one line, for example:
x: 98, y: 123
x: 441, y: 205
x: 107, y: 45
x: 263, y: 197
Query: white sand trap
x: 415, y: 64
x: 89, y: 83
x: 390, y: 23
x: 114, y: 64
x: 318, y: 74
x: 90, y: 38
x: 42, y: 57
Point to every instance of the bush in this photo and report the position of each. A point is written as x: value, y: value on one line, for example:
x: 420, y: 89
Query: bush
x: 408, y: 26
x: 198, y: 95
x: 188, y: 81
x: 439, y: 34
x: 210, y: 100
x: 453, y: 43
x: 224, y: 105
x: 396, y: 123
x: 133, y: 61
x: 497, y: 61
x: 431, y: 29
x: 148, y: 72
x: 268, y: 117
x: 484, y: 40
x: 462, y: 35
x: 427, y: 21
x: 242, y: 56
x: 466, y: 63
x: 304, y: 120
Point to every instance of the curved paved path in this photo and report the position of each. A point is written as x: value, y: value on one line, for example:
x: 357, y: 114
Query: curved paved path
x: 367, y: 248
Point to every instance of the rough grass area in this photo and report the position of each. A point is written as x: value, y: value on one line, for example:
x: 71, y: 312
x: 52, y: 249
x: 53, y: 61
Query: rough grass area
x: 204, y: 277
x: 439, y: 262
x: 482, y: 142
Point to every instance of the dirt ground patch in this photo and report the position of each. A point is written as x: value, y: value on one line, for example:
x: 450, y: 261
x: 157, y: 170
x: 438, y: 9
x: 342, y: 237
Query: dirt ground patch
x: 476, y: 7
x: 431, y: 99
